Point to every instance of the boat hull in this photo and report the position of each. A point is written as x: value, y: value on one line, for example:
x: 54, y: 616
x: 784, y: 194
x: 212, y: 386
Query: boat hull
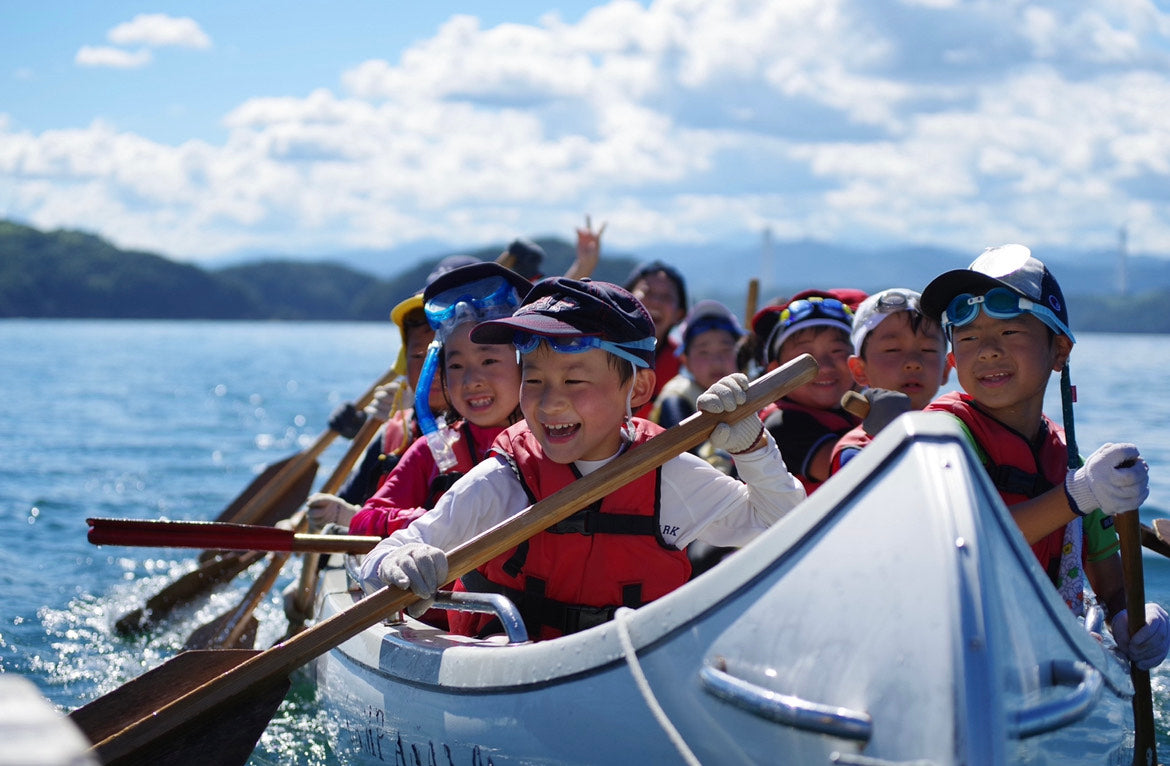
x: 894, y: 617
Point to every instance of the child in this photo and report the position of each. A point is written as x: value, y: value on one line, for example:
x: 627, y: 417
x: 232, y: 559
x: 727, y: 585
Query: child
x: 480, y: 383
x: 899, y: 354
x: 661, y: 289
x: 809, y: 421
x: 709, y: 337
x: 1008, y: 327
x: 587, y: 352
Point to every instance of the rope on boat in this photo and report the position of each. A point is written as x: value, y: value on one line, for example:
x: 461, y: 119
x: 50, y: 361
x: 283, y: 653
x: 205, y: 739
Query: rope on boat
x: 621, y: 619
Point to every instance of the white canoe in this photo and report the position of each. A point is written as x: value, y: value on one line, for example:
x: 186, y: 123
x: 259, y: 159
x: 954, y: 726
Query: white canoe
x: 896, y: 617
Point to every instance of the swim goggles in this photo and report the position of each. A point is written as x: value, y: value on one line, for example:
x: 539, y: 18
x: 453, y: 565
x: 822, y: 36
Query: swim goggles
x: 998, y: 303
x: 526, y: 342
x: 479, y: 301
x: 814, y: 307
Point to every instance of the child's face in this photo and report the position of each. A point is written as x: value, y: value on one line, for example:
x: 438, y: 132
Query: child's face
x: 483, y: 381
x: 710, y: 355
x: 831, y: 348
x: 901, y: 359
x: 575, y: 404
x: 417, y: 340
x: 659, y: 294
x: 1004, y: 364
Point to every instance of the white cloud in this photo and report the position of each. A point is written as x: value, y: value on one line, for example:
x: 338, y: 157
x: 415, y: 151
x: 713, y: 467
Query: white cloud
x: 114, y: 58
x: 858, y: 120
x: 158, y: 30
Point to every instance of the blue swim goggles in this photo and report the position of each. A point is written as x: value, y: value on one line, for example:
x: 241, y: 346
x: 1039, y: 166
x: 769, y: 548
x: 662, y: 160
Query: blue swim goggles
x: 478, y: 301
x: 814, y: 307
x: 527, y: 342
x: 998, y: 303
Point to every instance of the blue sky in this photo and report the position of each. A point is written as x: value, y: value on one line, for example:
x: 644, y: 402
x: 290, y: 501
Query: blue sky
x: 203, y: 130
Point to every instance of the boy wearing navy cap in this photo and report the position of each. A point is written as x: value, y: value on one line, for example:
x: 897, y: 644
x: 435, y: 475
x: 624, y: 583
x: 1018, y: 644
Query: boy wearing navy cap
x: 587, y: 352
x: 1007, y: 323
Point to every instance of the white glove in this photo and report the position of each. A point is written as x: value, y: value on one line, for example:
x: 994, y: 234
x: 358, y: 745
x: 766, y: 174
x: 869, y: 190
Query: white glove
x: 329, y: 509
x: 381, y: 407
x: 1114, y: 479
x: 417, y: 567
x: 1146, y: 648
x: 725, y: 395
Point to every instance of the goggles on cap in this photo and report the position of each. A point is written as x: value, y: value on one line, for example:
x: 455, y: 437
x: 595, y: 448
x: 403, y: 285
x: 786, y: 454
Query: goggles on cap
x: 998, y: 303
x: 892, y: 301
x: 480, y: 301
x: 526, y: 342
x: 814, y: 307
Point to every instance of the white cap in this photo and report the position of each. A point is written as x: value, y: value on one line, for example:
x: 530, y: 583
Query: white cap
x: 877, y: 307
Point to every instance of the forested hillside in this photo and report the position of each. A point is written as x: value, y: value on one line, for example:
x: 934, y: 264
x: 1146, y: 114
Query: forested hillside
x: 69, y: 274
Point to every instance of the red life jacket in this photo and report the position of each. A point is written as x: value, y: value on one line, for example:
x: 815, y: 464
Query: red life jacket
x: 1017, y: 470
x: 575, y: 574
x: 836, y: 421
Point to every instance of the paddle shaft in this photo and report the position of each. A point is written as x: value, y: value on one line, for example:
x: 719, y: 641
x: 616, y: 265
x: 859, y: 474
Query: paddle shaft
x: 285, y: 657
x: 753, y: 299
x: 220, y: 536
x: 1129, y: 533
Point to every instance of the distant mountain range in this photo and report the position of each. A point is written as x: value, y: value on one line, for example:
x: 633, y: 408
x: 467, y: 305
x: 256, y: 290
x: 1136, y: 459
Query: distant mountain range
x: 74, y: 274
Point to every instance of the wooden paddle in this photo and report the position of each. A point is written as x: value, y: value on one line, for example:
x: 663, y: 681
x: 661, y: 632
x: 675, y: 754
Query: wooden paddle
x: 186, y: 705
x: 236, y: 629
x: 1144, y: 737
x: 275, y: 494
x: 753, y: 299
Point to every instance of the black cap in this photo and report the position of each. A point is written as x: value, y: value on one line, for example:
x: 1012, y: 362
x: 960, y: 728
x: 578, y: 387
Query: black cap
x: 558, y: 306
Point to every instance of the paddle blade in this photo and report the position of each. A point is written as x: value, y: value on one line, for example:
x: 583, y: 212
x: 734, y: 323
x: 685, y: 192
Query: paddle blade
x: 225, y: 736
x: 281, y: 507
x: 206, y: 576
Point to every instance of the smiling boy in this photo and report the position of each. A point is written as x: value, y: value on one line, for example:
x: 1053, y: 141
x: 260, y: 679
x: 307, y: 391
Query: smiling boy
x: 587, y: 352
x: 1007, y: 322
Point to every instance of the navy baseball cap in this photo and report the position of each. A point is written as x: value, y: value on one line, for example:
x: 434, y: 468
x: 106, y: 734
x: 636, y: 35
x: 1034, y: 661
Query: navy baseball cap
x: 1011, y: 266
x: 560, y: 307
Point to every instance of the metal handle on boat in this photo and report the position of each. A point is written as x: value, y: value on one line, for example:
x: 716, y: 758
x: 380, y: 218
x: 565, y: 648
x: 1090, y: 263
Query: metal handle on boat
x: 1053, y: 714
x: 486, y: 603
x: 785, y: 708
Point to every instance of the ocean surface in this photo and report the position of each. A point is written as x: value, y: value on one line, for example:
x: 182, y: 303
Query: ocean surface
x: 143, y: 419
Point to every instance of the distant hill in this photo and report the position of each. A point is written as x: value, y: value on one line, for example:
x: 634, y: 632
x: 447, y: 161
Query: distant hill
x: 72, y: 274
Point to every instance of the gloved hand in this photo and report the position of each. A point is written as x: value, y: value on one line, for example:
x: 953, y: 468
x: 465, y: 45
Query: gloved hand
x: 417, y: 567
x: 329, y: 509
x: 382, y: 405
x: 1146, y: 648
x: 725, y: 395
x: 884, y: 406
x: 347, y: 420
x: 1114, y: 479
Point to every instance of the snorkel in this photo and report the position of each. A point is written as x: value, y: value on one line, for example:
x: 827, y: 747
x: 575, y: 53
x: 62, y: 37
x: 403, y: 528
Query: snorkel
x: 482, y: 300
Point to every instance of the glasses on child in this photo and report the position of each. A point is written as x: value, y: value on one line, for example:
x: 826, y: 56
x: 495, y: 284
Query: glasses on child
x: 526, y: 342
x: 998, y: 303
x: 479, y: 301
x: 814, y: 307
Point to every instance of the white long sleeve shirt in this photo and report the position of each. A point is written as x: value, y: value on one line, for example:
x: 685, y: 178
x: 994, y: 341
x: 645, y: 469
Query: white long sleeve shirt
x: 697, y: 502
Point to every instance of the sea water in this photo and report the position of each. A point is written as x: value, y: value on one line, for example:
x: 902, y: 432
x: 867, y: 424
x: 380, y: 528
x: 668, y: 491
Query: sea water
x: 143, y: 419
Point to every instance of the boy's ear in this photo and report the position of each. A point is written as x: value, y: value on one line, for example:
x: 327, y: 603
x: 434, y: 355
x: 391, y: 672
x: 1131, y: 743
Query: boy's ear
x: 1061, y: 349
x: 857, y: 367
x: 643, y: 388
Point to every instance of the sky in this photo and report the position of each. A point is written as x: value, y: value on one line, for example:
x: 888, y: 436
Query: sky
x: 206, y: 130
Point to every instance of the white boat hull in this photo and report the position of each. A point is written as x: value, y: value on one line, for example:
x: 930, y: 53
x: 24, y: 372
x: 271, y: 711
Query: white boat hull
x: 896, y: 617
